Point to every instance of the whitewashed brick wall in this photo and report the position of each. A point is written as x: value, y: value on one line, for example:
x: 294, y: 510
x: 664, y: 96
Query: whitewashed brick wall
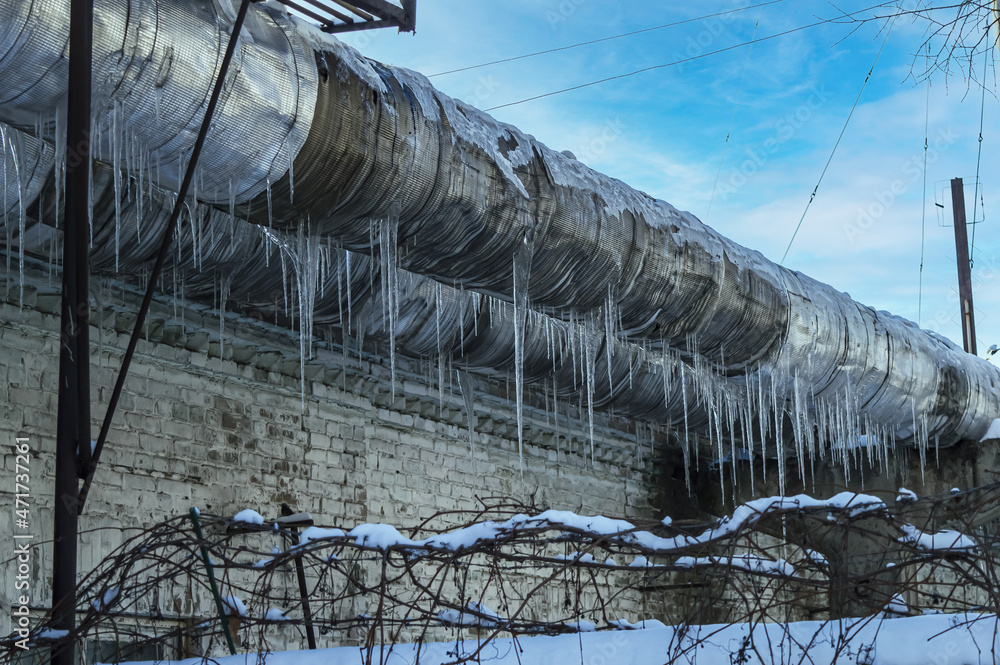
x: 223, y: 434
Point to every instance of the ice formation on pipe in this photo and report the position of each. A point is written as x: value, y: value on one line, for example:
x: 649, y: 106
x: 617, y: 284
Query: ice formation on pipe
x: 264, y: 269
x: 472, y: 196
x: 582, y: 364
x: 387, y: 167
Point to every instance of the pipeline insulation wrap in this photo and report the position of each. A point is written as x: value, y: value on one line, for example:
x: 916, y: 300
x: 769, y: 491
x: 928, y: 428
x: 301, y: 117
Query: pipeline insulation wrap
x: 385, y: 165
x: 257, y: 269
x: 155, y: 64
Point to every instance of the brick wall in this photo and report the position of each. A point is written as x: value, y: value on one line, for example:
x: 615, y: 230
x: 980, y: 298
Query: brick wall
x: 224, y: 427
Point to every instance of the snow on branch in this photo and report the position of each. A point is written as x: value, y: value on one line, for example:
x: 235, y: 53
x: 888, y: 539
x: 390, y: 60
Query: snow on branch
x: 509, y: 569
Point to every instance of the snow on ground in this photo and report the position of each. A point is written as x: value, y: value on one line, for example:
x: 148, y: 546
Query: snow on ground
x: 940, y: 639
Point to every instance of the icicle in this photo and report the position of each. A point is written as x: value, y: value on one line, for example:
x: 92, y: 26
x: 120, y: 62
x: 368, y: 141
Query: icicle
x: 116, y: 168
x: 665, y: 371
x: 921, y: 448
x: 388, y: 229
x: 347, y: 280
x: 270, y: 208
x: 307, y: 270
x: 284, y: 282
x: 8, y: 230
x: 340, y: 304
x: 468, y: 396
x: 60, y: 159
x: 232, y: 213
x: 571, y: 341
x: 478, y: 303
x: 800, y: 452
x: 438, y: 304
x: 714, y: 413
x: 19, y: 154
x: 731, y: 424
x: 609, y: 333
x: 590, y: 351
x: 195, y: 235
x: 684, y: 399
x: 555, y: 412
x: 140, y: 192
x: 687, y: 462
x: 460, y: 323
x: 522, y: 272
x: 225, y: 281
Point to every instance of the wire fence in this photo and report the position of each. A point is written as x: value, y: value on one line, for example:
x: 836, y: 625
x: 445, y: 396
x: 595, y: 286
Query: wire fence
x: 195, y: 584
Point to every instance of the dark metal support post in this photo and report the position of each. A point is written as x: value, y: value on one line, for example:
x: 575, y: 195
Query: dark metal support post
x: 210, y: 569
x: 964, y: 267
x: 73, y: 419
x: 300, y: 573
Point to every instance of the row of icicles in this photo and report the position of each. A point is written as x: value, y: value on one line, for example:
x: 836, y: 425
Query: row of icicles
x: 739, y: 419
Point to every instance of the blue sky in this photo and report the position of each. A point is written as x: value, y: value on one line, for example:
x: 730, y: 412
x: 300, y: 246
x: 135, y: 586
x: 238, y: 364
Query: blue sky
x: 783, y: 104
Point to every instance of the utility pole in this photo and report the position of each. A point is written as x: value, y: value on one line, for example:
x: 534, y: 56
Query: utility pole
x: 964, y: 267
x: 996, y: 21
x: 73, y: 419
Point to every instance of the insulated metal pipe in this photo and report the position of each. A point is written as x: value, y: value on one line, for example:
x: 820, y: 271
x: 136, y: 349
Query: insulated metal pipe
x: 470, y: 197
x: 259, y: 270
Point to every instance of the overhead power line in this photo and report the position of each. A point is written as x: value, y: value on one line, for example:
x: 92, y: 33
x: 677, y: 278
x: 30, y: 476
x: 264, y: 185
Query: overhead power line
x: 812, y: 197
x: 684, y: 60
x: 604, y: 39
x: 923, y: 205
x: 979, y: 160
